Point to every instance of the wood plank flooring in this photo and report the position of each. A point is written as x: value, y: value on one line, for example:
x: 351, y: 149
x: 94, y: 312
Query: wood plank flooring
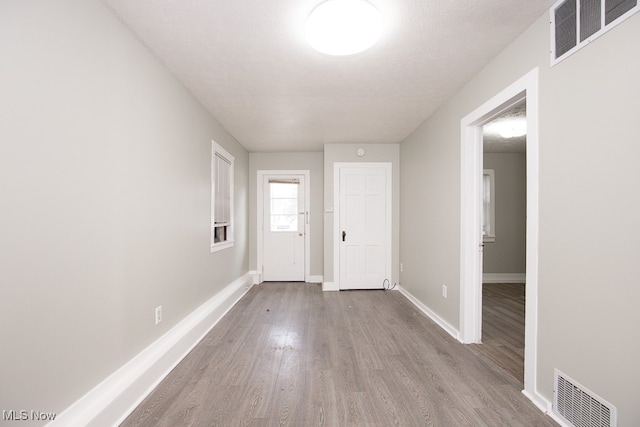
x: 289, y: 354
x: 503, y: 307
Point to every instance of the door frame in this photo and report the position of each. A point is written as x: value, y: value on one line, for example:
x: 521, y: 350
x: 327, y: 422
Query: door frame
x: 471, y: 228
x: 337, y: 166
x: 261, y: 174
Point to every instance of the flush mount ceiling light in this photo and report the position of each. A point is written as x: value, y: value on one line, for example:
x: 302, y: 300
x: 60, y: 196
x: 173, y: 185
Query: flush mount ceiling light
x: 343, y: 27
x: 513, y: 130
x: 509, y: 128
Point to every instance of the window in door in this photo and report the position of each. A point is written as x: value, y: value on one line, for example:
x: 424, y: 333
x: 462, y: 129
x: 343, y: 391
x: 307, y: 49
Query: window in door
x: 221, y: 198
x: 284, y: 205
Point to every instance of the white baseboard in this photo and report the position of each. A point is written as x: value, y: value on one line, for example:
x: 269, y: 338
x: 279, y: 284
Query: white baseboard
x: 329, y: 286
x: 111, y: 401
x: 504, y: 278
x: 431, y: 314
x: 257, y: 277
x: 545, y: 406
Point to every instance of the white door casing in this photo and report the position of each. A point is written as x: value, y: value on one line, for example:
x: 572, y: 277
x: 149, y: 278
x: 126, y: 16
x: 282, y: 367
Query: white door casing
x: 283, y: 222
x: 363, y: 225
x: 471, y: 227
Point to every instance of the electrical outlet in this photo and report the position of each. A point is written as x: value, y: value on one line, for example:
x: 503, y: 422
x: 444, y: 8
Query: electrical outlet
x: 444, y: 291
x: 158, y: 314
x: 401, y: 267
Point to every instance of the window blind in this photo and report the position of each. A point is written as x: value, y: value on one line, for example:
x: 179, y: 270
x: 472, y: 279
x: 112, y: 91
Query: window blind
x: 222, y: 194
x: 284, y: 181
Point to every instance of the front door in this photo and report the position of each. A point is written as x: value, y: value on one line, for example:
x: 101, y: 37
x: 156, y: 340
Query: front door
x: 364, y: 226
x: 284, y: 224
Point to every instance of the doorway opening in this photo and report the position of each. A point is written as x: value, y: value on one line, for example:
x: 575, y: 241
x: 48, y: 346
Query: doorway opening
x: 471, y: 242
x: 504, y: 240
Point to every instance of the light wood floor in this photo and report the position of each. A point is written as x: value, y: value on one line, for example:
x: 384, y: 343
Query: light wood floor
x: 503, y: 327
x: 289, y: 354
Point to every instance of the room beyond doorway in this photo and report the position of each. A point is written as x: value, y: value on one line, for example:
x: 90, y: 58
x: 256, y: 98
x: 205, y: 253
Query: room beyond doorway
x: 504, y: 219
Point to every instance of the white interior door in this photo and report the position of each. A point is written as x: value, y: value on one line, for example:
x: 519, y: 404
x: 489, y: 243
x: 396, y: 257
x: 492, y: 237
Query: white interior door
x: 284, y: 228
x: 364, y: 227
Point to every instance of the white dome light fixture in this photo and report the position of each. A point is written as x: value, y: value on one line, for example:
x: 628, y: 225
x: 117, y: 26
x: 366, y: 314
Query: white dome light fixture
x: 343, y: 27
x: 513, y: 128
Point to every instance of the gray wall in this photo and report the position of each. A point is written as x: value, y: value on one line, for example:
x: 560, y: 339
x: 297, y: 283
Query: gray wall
x: 589, y: 233
x: 507, y: 254
x: 105, y: 193
x: 290, y: 161
x: 347, y: 153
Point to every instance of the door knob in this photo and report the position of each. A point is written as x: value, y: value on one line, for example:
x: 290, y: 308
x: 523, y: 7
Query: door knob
x: 344, y: 234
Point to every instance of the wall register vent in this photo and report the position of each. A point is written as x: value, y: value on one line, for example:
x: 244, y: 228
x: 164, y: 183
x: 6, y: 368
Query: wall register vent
x: 579, y: 406
x: 576, y: 23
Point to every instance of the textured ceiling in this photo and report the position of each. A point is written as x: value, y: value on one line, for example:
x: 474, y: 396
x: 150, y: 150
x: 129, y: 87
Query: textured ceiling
x: 247, y: 62
x: 494, y: 143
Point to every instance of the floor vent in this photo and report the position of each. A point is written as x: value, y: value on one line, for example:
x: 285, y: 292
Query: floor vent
x: 579, y: 406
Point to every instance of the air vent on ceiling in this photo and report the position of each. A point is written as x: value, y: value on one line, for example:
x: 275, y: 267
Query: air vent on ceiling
x: 579, y: 406
x: 576, y: 23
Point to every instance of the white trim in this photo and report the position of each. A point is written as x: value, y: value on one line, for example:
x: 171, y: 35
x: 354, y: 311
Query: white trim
x: 504, y: 278
x: 111, y: 401
x: 215, y: 247
x: 315, y: 279
x: 260, y: 175
x: 470, y: 227
x: 545, y: 406
x: 257, y: 277
x: 388, y: 166
x: 430, y: 313
x: 330, y: 287
x: 470, y: 235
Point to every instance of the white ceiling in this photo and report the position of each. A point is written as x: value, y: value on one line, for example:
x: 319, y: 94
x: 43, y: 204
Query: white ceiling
x: 248, y: 63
